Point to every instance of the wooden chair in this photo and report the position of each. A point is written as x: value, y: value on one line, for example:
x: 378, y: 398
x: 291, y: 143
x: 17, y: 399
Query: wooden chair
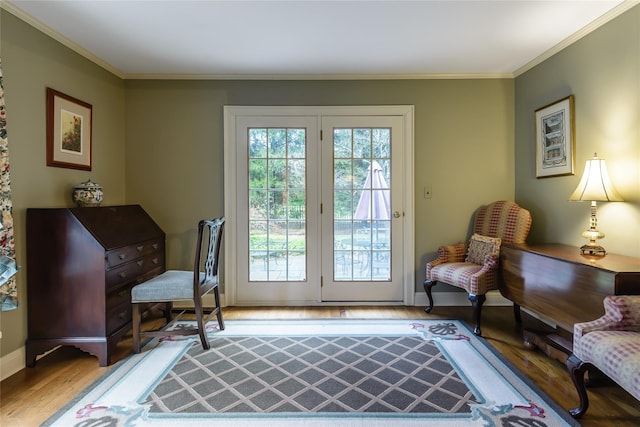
x: 176, y: 285
x: 473, y: 266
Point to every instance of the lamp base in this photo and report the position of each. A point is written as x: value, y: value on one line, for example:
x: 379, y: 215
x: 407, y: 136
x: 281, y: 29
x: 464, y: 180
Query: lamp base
x: 591, y: 249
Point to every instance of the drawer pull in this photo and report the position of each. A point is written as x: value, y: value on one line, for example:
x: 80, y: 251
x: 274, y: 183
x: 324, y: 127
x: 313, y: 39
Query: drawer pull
x: 140, y: 248
x: 155, y: 246
x: 155, y: 261
x: 123, y: 293
x: 140, y: 263
x: 122, y: 315
x: 122, y: 256
x: 123, y: 274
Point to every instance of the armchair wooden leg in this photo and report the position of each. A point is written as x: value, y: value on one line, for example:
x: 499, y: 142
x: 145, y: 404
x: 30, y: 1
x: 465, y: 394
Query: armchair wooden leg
x: 477, y: 301
x: 577, y: 369
x: 428, y: 284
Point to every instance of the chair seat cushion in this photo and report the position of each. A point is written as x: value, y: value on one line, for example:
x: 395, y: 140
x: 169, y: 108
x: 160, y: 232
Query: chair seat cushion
x: 172, y: 285
x: 455, y: 273
x: 616, y: 354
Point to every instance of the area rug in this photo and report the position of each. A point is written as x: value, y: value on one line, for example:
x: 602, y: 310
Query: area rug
x: 345, y: 373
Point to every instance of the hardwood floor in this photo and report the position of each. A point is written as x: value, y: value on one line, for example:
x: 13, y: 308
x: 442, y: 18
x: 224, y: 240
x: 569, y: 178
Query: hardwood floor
x: 32, y: 395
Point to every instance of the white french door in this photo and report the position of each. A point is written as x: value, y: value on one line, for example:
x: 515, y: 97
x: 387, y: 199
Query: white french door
x: 277, y: 210
x: 362, y: 200
x: 315, y: 205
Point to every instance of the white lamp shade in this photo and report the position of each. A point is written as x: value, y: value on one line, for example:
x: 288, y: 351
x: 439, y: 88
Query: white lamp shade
x: 595, y: 184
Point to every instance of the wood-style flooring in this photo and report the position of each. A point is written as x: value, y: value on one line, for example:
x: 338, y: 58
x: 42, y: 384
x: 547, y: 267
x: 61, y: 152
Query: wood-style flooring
x: 32, y: 395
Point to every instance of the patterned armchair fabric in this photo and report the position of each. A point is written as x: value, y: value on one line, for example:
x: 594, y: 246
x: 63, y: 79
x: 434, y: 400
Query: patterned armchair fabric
x: 502, y: 219
x: 610, y: 344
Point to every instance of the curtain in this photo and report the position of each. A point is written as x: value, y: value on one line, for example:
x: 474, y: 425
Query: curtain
x: 8, y: 291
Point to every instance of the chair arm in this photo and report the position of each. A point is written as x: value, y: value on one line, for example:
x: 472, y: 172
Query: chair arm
x: 484, y: 279
x: 490, y: 265
x: 622, y: 312
x: 449, y: 253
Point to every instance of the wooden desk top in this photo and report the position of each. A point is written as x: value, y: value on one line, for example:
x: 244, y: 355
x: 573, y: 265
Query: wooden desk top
x: 609, y: 262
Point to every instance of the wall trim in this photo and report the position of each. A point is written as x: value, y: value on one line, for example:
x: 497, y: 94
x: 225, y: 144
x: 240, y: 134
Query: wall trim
x: 12, y: 363
x: 456, y: 299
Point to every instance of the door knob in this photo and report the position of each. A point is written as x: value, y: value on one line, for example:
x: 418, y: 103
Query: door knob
x: 396, y: 214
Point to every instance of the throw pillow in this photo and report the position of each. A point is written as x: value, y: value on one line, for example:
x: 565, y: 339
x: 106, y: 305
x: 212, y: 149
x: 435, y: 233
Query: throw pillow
x: 481, y: 246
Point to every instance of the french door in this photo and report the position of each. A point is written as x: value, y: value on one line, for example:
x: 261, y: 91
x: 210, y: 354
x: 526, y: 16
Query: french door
x: 315, y: 206
x: 362, y: 208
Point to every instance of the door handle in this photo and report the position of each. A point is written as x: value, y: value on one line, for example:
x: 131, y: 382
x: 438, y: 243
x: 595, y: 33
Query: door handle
x: 396, y: 214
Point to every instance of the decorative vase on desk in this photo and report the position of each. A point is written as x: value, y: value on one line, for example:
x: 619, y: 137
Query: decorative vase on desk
x: 87, y: 194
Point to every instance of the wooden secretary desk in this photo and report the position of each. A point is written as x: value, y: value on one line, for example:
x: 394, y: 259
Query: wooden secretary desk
x: 81, y: 266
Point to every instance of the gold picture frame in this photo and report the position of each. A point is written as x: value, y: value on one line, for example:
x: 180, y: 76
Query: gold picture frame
x: 68, y: 131
x: 555, y: 139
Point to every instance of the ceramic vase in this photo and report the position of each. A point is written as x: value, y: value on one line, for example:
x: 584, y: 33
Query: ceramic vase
x: 87, y: 194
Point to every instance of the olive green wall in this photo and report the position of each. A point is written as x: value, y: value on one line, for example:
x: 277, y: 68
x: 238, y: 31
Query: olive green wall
x: 602, y: 71
x: 31, y: 62
x: 463, y: 147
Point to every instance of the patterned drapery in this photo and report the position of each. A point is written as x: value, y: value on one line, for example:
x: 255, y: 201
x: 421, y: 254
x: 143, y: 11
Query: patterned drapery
x: 8, y: 292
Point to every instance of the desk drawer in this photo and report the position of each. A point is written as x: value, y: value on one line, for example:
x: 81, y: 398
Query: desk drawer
x: 118, y: 297
x: 126, y: 254
x: 118, y: 316
x: 131, y: 271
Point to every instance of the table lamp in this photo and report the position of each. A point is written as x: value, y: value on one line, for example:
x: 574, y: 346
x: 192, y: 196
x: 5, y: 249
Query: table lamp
x: 594, y: 186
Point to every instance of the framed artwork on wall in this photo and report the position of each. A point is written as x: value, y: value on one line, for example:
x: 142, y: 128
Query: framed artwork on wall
x: 555, y: 139
x: 68, y: 131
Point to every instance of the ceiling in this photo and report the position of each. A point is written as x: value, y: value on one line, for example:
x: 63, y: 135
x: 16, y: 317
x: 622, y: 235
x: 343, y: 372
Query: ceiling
x: 316, y: 39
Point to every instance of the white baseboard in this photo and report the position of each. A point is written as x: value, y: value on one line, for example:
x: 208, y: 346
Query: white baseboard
x: 444, y: 299
x: 12, y: 363
x: 454, y: 299
x: 15, y: 361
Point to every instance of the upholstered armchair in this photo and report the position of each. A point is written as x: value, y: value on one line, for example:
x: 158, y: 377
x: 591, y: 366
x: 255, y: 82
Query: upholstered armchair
x: 611, y: 344
x: 473, y: 265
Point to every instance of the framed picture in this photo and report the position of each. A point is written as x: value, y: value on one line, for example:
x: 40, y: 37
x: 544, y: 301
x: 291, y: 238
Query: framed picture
x: 555, y: 139
x: 68, y: 131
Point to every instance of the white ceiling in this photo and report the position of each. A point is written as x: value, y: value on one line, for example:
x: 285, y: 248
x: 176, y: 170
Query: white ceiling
x: 327, y: 39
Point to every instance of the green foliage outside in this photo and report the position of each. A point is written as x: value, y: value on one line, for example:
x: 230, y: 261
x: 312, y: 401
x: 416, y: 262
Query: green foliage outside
x: 277, y: 178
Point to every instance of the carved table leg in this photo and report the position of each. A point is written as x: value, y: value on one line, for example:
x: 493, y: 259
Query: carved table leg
x: 516, y: 314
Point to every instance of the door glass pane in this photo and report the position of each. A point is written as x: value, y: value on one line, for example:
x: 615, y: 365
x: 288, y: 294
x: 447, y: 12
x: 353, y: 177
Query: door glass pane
x: 362, y: 204
x: 277, y: 200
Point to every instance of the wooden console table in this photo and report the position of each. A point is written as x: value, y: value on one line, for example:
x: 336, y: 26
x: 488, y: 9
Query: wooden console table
x: 563, y: 287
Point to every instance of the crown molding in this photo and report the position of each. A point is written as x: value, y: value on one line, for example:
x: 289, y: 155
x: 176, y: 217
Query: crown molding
x: 38, y: 25
x: 613, y: 13
x: 315, y: 76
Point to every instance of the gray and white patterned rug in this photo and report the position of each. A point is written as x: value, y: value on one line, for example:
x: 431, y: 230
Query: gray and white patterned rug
x: 317, y: 373
x: 313, y: 374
